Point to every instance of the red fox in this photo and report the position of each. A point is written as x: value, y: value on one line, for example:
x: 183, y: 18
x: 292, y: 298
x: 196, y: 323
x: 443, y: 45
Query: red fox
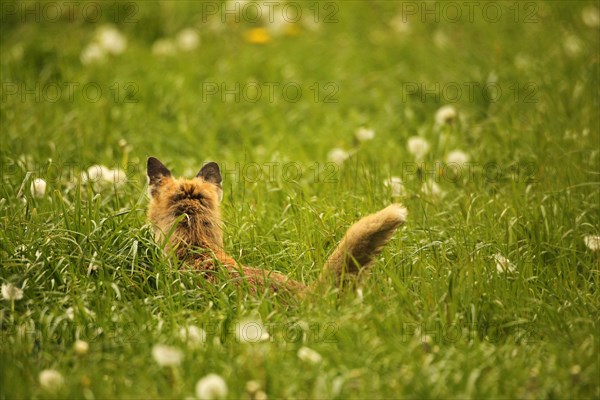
x: 185, y: 215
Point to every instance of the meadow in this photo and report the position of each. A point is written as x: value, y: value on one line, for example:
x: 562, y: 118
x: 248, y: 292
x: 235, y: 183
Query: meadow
x: 480, y: 117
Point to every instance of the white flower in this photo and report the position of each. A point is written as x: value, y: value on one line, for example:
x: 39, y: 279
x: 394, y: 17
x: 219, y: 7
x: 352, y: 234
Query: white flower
x: 99, y: 174
x: 163, y: 47
x: 503, y: 264
x: 400, y: 24
x: 95, y: 173
x: 38, y: 188
x: 337, y: 156
x: 395, y: 185
x: 92, y: 53
x: 51, y: 380
x: 572, y: 45
x: 591, y: 16
x: 212, y: 386
x: 417, y: 146
x: 364, y: 134
x: 309, y: 355
x: 11, y: 292
x: 457, y: 157
x: 445, y: 115
x: 166, y: 356
x: 253, y: 386
x: 430, y: 188
x: 592, y: 243
x: 70, y: 313
x: 193, y: 335
x: 111, y: 40
x: 251, y: 331
x: 81, y: 347
x: 187, y: 39
x: 115, y: 176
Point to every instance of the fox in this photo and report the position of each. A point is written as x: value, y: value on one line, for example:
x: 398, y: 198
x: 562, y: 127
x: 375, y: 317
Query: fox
x: 185, y: 217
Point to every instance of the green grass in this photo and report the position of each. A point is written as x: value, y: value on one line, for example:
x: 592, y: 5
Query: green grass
x: 435, y: 318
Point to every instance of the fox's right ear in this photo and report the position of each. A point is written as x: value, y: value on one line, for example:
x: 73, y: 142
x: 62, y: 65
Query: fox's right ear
x: 156, y: 171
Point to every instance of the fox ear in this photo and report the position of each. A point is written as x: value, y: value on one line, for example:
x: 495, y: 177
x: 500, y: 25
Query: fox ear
x: 156, y: 171
x: 211, y: 173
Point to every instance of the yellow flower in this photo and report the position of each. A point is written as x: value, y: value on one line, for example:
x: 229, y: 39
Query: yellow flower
x: 258, y: 36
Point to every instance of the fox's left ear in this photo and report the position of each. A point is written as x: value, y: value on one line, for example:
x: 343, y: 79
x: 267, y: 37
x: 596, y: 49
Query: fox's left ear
x: 211, y: 173
x: 156, y: 171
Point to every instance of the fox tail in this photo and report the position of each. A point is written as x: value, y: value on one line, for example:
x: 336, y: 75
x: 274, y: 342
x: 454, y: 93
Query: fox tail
x: 363, y: 242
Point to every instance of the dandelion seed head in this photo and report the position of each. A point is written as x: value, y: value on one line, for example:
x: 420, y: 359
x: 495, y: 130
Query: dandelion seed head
x: 251, y: 331
x: 92, y: 53
x: 166, y: 356
x: 417, y: 146
x: 307, y: 354
x: 364, y: 134
x: 592, y: 242
x: 38, y: 188
x: 396, y: 186
x: 445, y: 115
x: 11, y: 293
x: 212, y: 386
x: 193, y: 335
x: 51, y: 380
x: 457, y: 157
x: 187, y: 39
x: 590, y: 16
x: 111, y: 39
x: 81, y: 347
x: 164, y: 47
x: 337, y: 156
x: 503, y: 264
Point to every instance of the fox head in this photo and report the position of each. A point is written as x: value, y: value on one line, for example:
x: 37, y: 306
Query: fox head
x: 186, y: 212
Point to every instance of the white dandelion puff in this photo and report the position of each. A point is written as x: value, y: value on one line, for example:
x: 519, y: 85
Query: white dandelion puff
x: 253, y: 386
x: 445, y: 115
x: 92, y: 53
x: 400, y: 24
x: 51, y: 380
x: 307, y: 354
x: 166, y: 356
x: 417, y: 146
x: 81, y: 347
x: 337, y: 156
x: 11, y: 293
x: 572, y: 45
x: 111, y: 39
x: 592, y: 242
x: 38, y: 188
x: 394, y: 183
x: 590, y: 16
x: 431, y: 188
x: 364, y: 134
x: 164, y: 47
x: 193, y: 335
x: 212, y: 386
x: 457, y: 157
x: 251, y: 331
x: 503, y: 264
x: 187, y: 39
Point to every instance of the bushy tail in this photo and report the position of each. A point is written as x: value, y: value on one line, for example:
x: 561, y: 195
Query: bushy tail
x: 363, y: 242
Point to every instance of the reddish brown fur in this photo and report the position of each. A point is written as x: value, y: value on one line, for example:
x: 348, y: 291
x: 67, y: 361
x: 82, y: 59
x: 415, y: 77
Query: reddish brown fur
x: 185, y: 215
